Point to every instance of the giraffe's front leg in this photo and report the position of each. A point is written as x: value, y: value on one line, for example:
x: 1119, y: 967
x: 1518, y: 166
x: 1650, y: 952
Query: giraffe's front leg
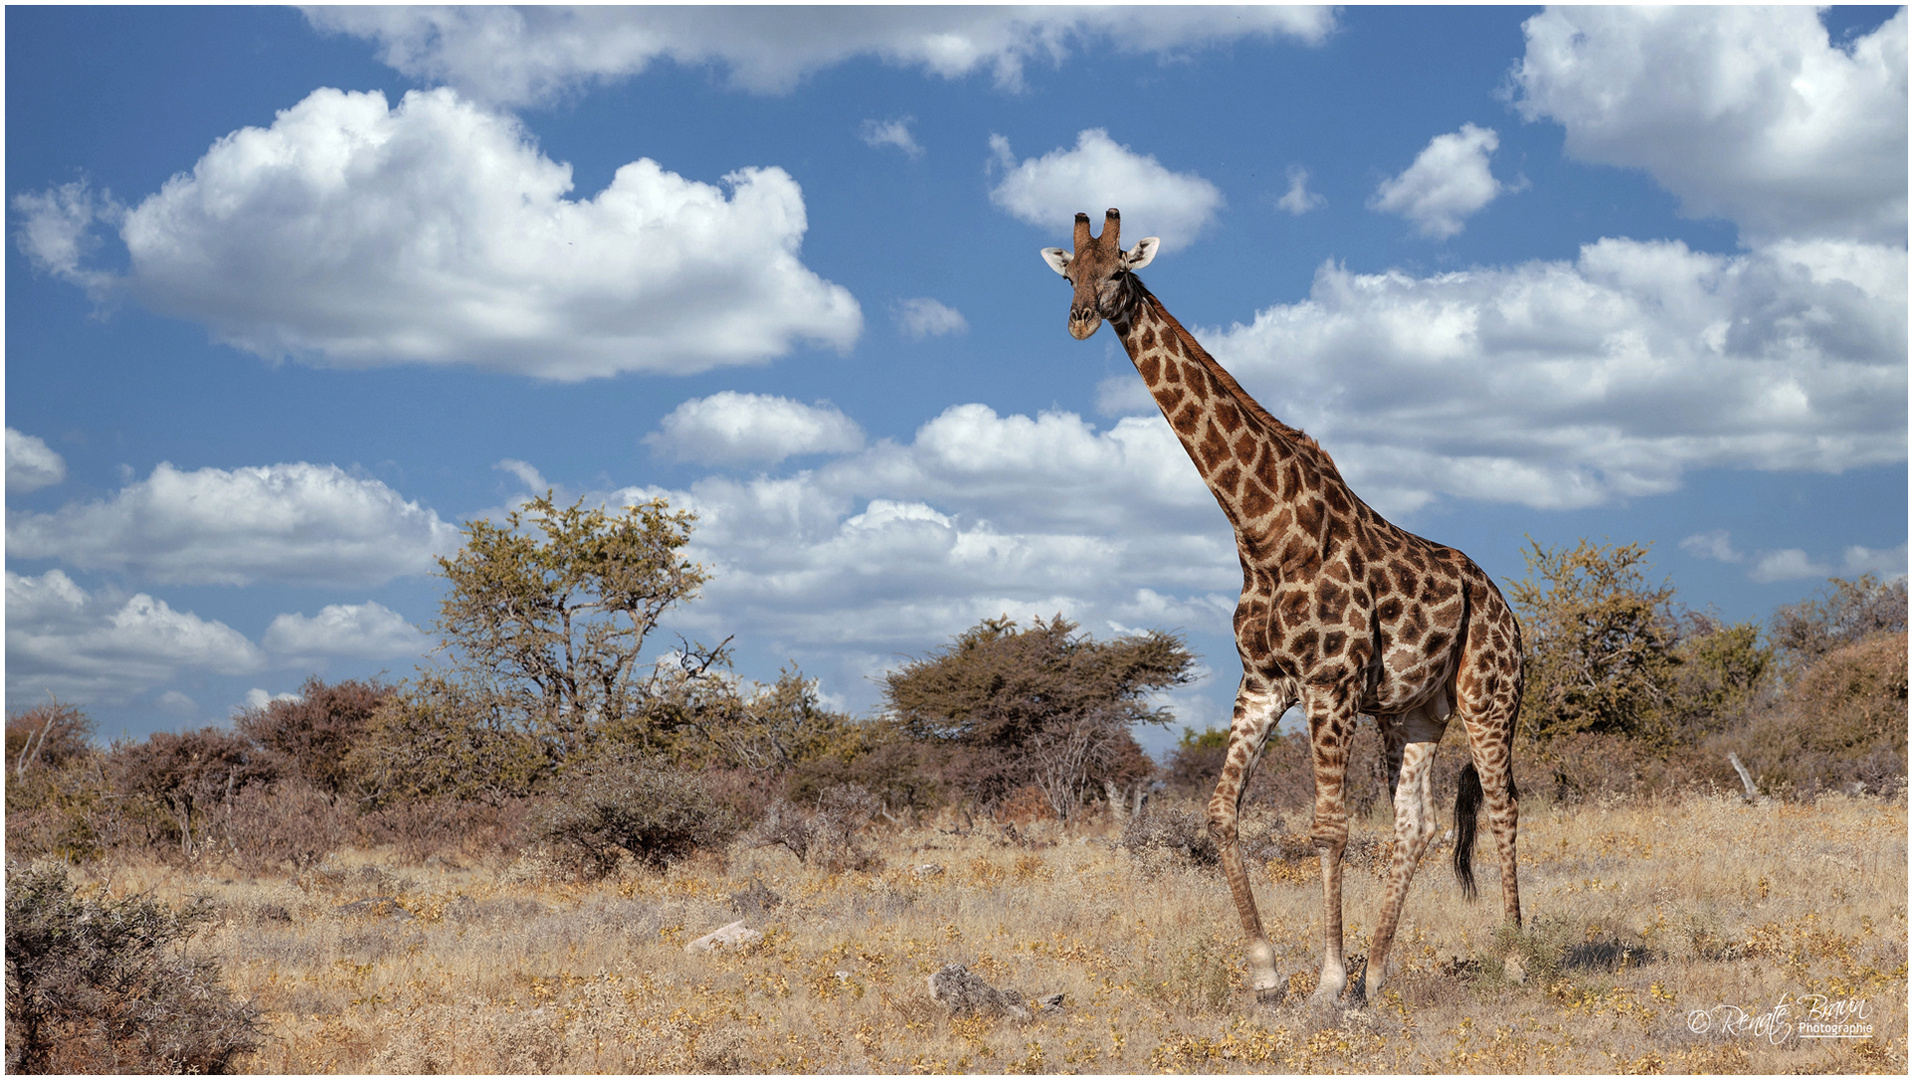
x: 1331, y: 725
x: 1257, y: 709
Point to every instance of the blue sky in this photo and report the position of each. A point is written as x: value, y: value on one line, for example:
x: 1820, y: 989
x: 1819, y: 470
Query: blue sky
x: 291, y: 296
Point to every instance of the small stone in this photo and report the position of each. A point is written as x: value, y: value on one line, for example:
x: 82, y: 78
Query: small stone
x: 964, y: 994
x: 925, y: 870
x: 1515, y: 970
x: 735, y: 935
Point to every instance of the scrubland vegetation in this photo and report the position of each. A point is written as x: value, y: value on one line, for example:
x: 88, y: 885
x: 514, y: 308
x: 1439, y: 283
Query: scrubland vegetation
x: 496, y: 865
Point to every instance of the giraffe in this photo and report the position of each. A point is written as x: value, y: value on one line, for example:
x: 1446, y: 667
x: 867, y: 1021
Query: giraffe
x: 1341, y: 612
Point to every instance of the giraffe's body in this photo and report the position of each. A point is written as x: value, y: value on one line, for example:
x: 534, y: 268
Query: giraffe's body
x: 1341, y: 612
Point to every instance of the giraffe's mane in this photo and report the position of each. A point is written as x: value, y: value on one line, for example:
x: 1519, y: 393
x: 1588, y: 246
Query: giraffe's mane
x: 1304, y: 444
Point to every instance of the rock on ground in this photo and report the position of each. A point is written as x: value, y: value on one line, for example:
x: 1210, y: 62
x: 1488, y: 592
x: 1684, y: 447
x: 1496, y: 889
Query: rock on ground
x: 732, y: 936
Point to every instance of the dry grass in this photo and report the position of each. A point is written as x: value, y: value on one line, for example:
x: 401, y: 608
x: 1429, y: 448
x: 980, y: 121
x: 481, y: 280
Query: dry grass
x: 1639, y: 913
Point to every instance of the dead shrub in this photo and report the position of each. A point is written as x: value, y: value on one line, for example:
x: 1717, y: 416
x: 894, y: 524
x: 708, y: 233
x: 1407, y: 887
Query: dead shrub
x: 98, y: 985
x: 1842, y: 722
x: 291, y: 824
x: 314, y: 733
x: 441, y: 828
x: 1170, y: 833
x: 174, y: 788
x: 826, y: 836
x: 644, y: 808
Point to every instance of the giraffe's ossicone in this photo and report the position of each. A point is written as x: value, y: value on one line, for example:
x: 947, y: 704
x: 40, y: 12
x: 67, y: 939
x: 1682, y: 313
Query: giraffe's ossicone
x: 1341, y: 612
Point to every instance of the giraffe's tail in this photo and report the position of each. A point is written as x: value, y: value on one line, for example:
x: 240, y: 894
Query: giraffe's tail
x: 1467, y: 803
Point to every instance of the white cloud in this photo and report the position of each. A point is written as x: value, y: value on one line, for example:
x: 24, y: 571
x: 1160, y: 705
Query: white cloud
x: 891, y: 133
x: 1299, y: 200
x: 299, y: 523
x: 257, y: 698
x: 1786, y: 565
x: 56, y: 232
x: 368, y: 631
x: 351, y: 234
x: 31, y: 463
x: 729, y: 427
x: 896, y: 547
x: 521, y: 55
x: 1888, y: 563
x: 1099, y: 173
x: 1448, y: 182
x: 533, y: 480
x: 86, y: 648
x: 922, y: 317
x: 1560, y: 384
x: 1716, y: 545
x: 1746, y: 113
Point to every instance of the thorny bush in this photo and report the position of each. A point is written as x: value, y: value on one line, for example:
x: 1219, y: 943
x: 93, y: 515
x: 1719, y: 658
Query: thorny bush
x: 99, y: 985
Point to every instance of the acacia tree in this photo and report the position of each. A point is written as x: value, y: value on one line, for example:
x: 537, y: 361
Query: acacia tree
x: 1599, y: 641
x: 549, y: 611
x: 1041, y: 706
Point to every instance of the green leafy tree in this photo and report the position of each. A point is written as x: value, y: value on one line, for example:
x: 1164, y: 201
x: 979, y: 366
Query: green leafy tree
x: 549, y: 611
x: 440, y: 738
x: 1723, y: 668
x: 1042, y: 706
x: 719, y: 721
x: 1600, y: 642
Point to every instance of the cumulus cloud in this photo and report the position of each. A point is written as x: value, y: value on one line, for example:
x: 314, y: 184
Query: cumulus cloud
x: 1299, y: 200
x: 1099, y: 173
x: 922, y: 317
x: 257, y: 698
x: 31, y: 463
x: 902, y: 544
x: 56, y: 234
x: 1448, y: 182
x: 891, y: 133
x: 353, y: 234
x: 1716, y: 545
x: 1560, y: 384
x: 369, y: 631
x: 1788, y: 564
x: 84, y: 647
x: 523, y: 55
x: 731, y: 428
x: 1745, y: 113
x: 298, y: 523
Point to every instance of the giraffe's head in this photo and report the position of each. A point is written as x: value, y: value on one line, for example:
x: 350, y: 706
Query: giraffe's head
x: 1097, y: 269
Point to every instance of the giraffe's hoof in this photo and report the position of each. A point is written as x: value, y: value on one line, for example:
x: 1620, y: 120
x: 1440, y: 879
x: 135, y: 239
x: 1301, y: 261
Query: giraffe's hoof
x: 1325, y: 999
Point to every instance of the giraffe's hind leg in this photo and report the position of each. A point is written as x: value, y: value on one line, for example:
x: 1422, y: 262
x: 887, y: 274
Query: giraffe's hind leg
x: 1257, y: 709
x: 1496, y: 769
x: 1411, y: 741
x: 1488, y: 697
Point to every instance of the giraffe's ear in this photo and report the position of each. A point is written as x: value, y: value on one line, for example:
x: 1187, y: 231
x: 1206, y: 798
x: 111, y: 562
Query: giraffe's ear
x: 1138, y: 257
x: 1058, y: 259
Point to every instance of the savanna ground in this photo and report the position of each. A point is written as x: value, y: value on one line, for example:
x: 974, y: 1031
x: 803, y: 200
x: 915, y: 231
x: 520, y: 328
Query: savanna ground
x: 1646, y: 920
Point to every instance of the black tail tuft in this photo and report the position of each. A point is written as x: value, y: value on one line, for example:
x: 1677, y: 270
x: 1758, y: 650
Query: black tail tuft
x: 1467, y: 802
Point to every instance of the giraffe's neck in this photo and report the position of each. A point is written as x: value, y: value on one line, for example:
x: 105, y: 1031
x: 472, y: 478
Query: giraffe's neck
x: 1251, y: 461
